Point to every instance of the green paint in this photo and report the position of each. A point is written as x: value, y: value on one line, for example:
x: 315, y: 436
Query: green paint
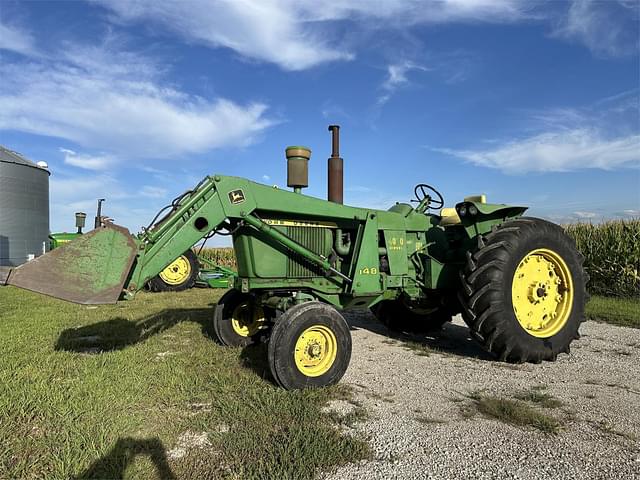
x: 58, y: 239
x: 285, y: 243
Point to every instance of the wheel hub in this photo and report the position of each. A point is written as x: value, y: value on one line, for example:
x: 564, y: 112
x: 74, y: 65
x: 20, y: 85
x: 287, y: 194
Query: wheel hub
x: 542, y: 293
x: 538, y: 292
x: 247, y: 319
x: 177, y: 272
x: 315, y: 350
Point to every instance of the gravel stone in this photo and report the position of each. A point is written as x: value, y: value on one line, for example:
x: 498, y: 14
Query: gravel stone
x: 416, y: 429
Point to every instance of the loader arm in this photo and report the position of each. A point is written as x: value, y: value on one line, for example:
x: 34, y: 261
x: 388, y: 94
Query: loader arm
x: 217, y: 199
x: 108, y: 262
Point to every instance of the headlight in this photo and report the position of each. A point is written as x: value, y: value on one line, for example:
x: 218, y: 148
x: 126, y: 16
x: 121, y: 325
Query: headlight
x: 473, y: 210
x: 462, y: 211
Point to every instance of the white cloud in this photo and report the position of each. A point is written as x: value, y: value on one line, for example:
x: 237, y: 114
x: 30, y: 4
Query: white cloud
x: 262, y: 30
x: 79, y: 192
x: 84, y: 187
x: 299, y: 35
x: 153, y: 192
x: 396, y: 78
x: 332, y: 111
x: 88, y: 162
x: 585, y: 215
x: 15, y: 39
x: 266, y: 178
x: 608, y: 29
x: 116, y: 102
x: 294, y: 34
x: 557, y: 152
x: 397, y: 74
x: 603, y: 135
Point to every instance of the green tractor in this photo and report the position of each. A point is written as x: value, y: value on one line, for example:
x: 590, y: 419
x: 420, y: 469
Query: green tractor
x: 518, y: 281
x: 183, y: 273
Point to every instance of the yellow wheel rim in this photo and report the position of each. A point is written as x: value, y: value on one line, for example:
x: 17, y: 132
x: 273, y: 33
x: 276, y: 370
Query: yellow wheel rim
x: 246, y: 321
x: 542, y: 293
x: 315, y: 351
x: 177, y: 272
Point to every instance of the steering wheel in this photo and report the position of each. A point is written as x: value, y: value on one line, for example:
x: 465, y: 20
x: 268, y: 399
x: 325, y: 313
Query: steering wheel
x: 422, y: 193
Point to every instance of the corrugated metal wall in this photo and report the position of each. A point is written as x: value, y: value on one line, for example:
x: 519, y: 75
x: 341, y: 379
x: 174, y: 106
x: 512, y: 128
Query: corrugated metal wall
x: 24, y: 212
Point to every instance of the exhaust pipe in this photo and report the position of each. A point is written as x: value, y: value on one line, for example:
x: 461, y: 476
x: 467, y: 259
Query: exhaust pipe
x: 335, y: 171
x: 98, y: 220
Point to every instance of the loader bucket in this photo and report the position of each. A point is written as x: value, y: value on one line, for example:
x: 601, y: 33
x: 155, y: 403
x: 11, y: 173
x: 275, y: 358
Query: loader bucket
x: 91, y: 269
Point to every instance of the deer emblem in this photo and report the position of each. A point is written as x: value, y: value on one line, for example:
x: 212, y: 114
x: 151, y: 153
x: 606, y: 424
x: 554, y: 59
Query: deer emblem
x: 236, y: 196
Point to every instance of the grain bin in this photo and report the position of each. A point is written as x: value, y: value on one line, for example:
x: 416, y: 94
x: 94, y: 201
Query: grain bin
x: 24, y: 208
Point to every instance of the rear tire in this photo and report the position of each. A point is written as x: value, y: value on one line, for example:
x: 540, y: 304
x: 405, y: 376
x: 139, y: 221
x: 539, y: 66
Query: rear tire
x: 310, y: 346
x: 237, y: 321
x: 523, y: 291
x: 180, y: 275
x: 396, y: 316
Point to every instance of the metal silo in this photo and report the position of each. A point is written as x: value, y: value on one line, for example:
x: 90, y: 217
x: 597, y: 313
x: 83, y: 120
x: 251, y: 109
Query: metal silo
x: 24, y: 208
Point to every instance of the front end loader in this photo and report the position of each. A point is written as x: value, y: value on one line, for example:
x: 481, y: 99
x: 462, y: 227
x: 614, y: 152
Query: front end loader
x: 186, y: 271
x: 517, y: 281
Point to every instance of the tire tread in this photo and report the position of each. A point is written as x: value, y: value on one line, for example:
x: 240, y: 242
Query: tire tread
x: 482, y: 284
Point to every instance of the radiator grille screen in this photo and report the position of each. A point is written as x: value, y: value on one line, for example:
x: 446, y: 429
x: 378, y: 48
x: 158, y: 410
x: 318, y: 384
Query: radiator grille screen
x: 315, y: 239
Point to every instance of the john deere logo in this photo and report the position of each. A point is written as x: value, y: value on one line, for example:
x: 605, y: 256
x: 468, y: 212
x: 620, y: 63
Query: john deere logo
x: 236, y: 196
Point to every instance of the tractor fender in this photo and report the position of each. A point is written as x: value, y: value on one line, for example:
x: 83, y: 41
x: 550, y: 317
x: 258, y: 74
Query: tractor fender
x: 485, y: 215
x: 490, y: 209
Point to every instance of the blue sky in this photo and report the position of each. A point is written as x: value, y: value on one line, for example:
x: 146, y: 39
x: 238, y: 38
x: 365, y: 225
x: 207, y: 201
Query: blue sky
x: 533, y: 103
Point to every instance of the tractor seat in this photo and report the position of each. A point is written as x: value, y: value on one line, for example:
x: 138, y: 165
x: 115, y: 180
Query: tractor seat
x: 449, y: 216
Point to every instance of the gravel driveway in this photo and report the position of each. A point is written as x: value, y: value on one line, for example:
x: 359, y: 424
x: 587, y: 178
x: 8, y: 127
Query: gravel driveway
x: 416, y: 403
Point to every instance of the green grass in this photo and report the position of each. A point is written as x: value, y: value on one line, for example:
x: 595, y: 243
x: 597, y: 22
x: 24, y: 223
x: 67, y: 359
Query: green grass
x: 106, y: 392
x: 618, y: 311
x: 514, y: 412
x: 418, y: 348
x: 539, y: 397
x: 357, y: 415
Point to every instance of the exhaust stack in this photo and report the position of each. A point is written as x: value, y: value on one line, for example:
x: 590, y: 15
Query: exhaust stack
x: 98, y: 220
x: 335, y: 170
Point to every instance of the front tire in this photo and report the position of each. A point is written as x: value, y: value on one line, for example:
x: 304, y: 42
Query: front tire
x: 310, y: 346
x: 523, y: 291
x: 237, y: 320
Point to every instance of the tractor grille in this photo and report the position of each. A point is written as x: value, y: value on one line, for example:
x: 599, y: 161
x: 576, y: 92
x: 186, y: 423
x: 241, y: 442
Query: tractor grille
x: 315, y: 239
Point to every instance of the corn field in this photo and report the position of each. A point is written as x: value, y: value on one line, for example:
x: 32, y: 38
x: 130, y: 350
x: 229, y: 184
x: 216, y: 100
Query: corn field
x: 612, y: 256
x: 611, y: 250
x: 220, y: 256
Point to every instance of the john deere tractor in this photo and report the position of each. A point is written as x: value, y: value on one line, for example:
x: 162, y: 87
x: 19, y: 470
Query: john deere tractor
x: 518, y: 281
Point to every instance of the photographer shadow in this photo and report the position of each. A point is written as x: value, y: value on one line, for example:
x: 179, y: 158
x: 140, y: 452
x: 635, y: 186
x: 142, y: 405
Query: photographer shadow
x: 115, y: 463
